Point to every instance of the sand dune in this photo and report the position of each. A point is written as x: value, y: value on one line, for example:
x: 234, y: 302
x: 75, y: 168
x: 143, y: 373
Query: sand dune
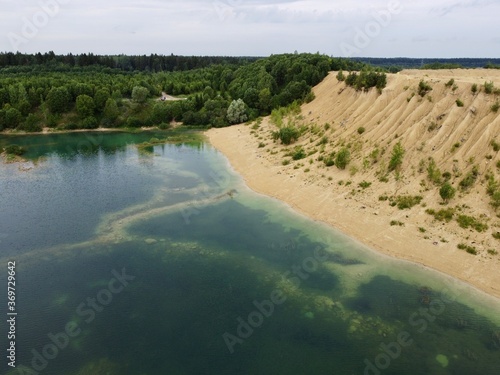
x: 457, y: 138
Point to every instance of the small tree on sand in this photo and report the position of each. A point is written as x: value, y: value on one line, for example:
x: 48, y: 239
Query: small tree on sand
x: 237, y: 112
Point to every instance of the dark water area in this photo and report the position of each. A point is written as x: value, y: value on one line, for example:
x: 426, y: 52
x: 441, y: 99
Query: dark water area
x: 165, y: 263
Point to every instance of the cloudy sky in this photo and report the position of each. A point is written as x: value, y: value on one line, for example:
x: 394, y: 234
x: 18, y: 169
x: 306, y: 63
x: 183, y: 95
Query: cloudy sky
x: 388, y: 28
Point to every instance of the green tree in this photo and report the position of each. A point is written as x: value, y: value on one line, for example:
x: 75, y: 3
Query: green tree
x: 100, y: 98
x: 237, y: 112
x: 162, y: 113
x: 85, y: 106
x: 111, y: 111
x: 58, y: 100
x: 447, y: 192
x: 12, y: 118
x: 140, y: 94
x: 265, y: 100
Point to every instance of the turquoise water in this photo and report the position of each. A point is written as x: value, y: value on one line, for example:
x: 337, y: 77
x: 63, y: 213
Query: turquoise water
x: 161, y: 261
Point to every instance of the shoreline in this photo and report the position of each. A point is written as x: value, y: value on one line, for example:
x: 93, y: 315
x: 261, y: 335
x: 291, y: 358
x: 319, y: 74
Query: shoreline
x: 358, y: 220
x: 46, y: 131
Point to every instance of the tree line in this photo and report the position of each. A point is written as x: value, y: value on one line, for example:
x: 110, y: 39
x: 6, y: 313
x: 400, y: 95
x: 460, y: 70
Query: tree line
x: 59, y: 95
x: 150, y: 63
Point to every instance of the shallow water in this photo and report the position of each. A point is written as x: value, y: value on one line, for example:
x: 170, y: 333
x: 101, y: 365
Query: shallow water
x: 164, y: 262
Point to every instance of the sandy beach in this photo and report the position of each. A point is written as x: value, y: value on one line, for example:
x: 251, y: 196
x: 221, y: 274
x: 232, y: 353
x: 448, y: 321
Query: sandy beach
x: 315, y: 191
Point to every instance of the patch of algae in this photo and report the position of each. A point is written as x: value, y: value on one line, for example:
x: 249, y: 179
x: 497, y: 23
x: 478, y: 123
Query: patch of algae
x: 101, y: 367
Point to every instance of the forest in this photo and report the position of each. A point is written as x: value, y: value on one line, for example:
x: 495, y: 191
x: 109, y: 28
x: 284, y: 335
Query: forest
x: 86, y: 91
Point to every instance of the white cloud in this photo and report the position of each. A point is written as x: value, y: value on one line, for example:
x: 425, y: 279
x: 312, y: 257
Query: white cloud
x: 253, y: 27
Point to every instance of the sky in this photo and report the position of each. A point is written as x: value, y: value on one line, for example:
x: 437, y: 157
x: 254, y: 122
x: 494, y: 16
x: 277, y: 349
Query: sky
x: 356, y: 28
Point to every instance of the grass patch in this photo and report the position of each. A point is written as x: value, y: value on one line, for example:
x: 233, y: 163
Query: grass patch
x: 397, y: 223
x: 469, y: 179
x: 470, y: 249
x: 365, y: 184
x: 298, y: 153
x: 446, y: 214
x: 496, y: 235
x: 470, y: 222
x: 404, y: 202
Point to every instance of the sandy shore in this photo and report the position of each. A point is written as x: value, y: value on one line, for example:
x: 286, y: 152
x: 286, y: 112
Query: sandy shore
x: 367, y: 223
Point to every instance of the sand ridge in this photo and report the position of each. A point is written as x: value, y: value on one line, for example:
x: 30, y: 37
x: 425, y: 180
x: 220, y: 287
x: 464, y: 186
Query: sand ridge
x: 457, y: 138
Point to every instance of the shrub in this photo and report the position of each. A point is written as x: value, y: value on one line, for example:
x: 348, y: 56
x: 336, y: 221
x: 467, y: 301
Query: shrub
x: 470, y: 249
x: 450, y: 83
x: 14, y: 150
x: 489, y: 87
x: 473, y: 88
x: 422, y: 230
x: 329, y: 161
x: 396, y: 222
x: 495, y: 200
x: 407, y: 201
x: 495, y: 107
x: 298, y: 153
x: 446, y: 176
x: 365, y: 184
x: 466, y: 222
x: 496, y: 235
x: 423, y: 88
x: 323, y: 141
x: 492, y: 252
x: 342, y: 158
x: 361, y: 130
x: 433, y: 172
x: 340, y: 76
x: 396, y: 157
x: 442, y: 215
x: 469, y: 179
x: 492, y: 186
x: 366, y: 80
x: 133, y: 122
x: 433, y: 126
x: 459, y: 103
x: 90, y: 123
x: 447, y: 192
x: 309, y: 97
x: 287, y: 135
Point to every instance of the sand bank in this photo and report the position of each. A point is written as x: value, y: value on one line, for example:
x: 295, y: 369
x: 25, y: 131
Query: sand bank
x: 363, y: 220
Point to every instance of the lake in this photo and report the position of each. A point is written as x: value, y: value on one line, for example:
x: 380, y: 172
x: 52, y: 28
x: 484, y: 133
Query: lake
x: 147, y: 259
